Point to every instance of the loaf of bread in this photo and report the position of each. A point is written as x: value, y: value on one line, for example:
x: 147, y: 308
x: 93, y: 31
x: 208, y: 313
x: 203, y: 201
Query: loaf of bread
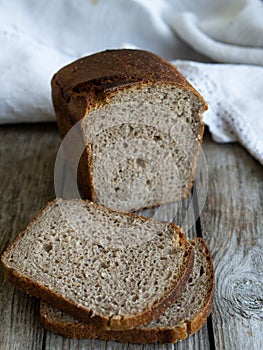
x: 141, y: 124
x: 185, y: 317
x: 113, y: 270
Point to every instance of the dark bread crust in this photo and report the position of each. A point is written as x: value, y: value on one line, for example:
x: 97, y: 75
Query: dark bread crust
x: 138, y: 335
x: 195, y: 324
x: 99, y: 75
x: 37, y: 289
x: 90, y: 82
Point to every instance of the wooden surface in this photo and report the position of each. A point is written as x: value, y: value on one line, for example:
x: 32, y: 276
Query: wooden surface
x: 231, y: 223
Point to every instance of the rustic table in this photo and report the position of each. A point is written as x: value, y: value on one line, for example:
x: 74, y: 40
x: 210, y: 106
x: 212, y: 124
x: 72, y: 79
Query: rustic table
x: 231, y: 224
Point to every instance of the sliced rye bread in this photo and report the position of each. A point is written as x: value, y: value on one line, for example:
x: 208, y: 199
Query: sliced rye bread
x: 141, y: 122
x: 186, y: 316
x: 106, y: 268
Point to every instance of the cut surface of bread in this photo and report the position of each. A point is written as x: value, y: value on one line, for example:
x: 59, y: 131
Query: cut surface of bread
x: 103, y: 267
x: 186, y: 316
x: 141, y: 123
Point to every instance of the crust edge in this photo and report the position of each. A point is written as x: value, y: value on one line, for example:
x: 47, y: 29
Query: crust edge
x: 37, y: 289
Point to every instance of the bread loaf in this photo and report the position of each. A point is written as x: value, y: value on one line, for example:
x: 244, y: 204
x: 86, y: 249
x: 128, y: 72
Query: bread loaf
x: 109, y: 269
x: 186, y: 316
x: 141, y: 124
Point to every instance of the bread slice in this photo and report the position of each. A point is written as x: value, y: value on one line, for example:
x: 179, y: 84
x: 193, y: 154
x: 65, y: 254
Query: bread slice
x: 187, y: 315
x: 114, y: 270
x: 141, y: 124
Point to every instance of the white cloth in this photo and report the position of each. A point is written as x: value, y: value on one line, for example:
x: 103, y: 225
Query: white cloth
x: 234, y: 96
x: 39, y: 37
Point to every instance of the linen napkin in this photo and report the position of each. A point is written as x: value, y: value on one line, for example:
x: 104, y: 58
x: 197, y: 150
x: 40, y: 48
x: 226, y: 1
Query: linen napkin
x: 234, y: 96
x: 217, y: 44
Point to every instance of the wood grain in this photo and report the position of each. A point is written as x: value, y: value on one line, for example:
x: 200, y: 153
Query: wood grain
x: 27, y: 155
x: 232, y: 226
x: 231, y: 223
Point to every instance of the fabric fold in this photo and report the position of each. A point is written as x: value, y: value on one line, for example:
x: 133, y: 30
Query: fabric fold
x: 186, y: 27
x: 39, y: 37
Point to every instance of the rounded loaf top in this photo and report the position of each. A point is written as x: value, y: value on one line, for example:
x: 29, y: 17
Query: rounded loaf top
x: 116, y: 68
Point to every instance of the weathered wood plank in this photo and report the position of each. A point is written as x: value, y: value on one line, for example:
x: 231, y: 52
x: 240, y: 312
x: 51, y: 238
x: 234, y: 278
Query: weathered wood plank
x: 232, y: 220
x: 28, y: 154
x: 26, y: 184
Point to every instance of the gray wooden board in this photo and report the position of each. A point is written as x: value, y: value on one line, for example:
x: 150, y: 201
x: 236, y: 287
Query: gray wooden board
x: 232, y: 226
x: 231, y: 221
x: 27, y: 156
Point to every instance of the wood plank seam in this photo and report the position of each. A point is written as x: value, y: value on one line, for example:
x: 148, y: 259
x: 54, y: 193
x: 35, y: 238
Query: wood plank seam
x: 198, y: 228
